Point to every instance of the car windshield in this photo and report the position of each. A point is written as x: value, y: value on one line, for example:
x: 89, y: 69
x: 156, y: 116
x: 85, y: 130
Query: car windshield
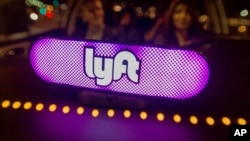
x: 20, y: 19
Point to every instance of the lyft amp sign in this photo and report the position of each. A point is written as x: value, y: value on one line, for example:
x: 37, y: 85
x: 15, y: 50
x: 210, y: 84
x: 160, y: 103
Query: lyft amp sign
x: 120, y: 68
x: 105, y: 70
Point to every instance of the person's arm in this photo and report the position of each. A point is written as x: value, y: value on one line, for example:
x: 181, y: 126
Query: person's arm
x: 151, y: 33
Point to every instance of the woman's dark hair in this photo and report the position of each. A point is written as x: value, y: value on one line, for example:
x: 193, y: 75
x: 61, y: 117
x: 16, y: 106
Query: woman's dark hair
x: 169, y: 27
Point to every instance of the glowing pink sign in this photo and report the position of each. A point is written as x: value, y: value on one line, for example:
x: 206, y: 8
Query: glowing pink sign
x: 120, y: 68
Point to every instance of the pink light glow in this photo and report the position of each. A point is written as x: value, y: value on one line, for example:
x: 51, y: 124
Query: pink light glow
x: 163, y: 72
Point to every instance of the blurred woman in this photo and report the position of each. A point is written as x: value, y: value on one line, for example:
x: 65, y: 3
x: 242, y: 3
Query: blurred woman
x: 181, y: 25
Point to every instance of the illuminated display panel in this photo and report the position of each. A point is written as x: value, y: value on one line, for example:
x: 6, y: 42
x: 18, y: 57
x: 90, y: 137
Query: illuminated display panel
x: 154, y: 71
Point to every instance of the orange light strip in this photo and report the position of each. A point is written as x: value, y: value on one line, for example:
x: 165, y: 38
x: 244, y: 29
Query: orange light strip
x: 143, y: 115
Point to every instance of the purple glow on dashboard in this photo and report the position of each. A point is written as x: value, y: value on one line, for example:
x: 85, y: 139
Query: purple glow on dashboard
x: 163, y: 72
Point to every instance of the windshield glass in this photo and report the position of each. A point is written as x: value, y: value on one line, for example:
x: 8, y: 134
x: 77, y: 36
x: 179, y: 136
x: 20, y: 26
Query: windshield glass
x: 20, y: 19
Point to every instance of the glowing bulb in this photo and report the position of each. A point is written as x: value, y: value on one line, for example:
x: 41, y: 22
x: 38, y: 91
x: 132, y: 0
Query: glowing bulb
x: 205, y: 26
x: 66, y: 109
x: 160, y: 116
x: 27, y: 105
x: 56, y: 3
x: 226, y: 121
x: 203, y: 18
x: 110, y: 113
x: 33, y: 16
x: 6, y: 104
x: 16, y: 105
x: 244, y: 13
x: 49, y: 14
x: 143, y: 115
x: 95, y: 113
x: 127, y: 113
x: 242, y: 28
x: 80, y: 110
x: 52, y: 108
x: 152, y: 15
x: 241, y: 121
x: 42, y: 11
x: 117, y: 8
x: 193, y: 120
x: 177, y: 118
x: 39, y: 107
x: 210, y: 121
x: 49, y: 8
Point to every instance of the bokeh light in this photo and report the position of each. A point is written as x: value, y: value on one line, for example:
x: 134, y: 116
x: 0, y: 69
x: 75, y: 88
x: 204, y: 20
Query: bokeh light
x: 49, y: 14
x: 242, y: 28
x: 33, y: 16
x: 36, y: 3
x: 110, y: 113
x: 152, y: 15
x: 95, y: 113
x: 80, y: 110
x: 39, y: 107
x: 66, y: 109
x: 5, y: 103
x: 244, y: 13
x: 56, y: 3
x: 177, y: 118
x: 160, y: 116
x: 52, y: 107
x: 42, y: 11
x: 152, y: 12
x: 210, y: 121
x: 226, y: 121
x: 49, y: 8
x: 117, y: 8
x: 127, y: 113
x: 143, y: 115
x: 203, y: 18
x: 16, y: 105
x: 205, y: 27
x: 27, y: 105
x: 241, y: 121
x: 193, y: 120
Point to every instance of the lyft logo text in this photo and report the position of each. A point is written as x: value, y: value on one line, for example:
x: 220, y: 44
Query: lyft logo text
x: 105, y: 69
